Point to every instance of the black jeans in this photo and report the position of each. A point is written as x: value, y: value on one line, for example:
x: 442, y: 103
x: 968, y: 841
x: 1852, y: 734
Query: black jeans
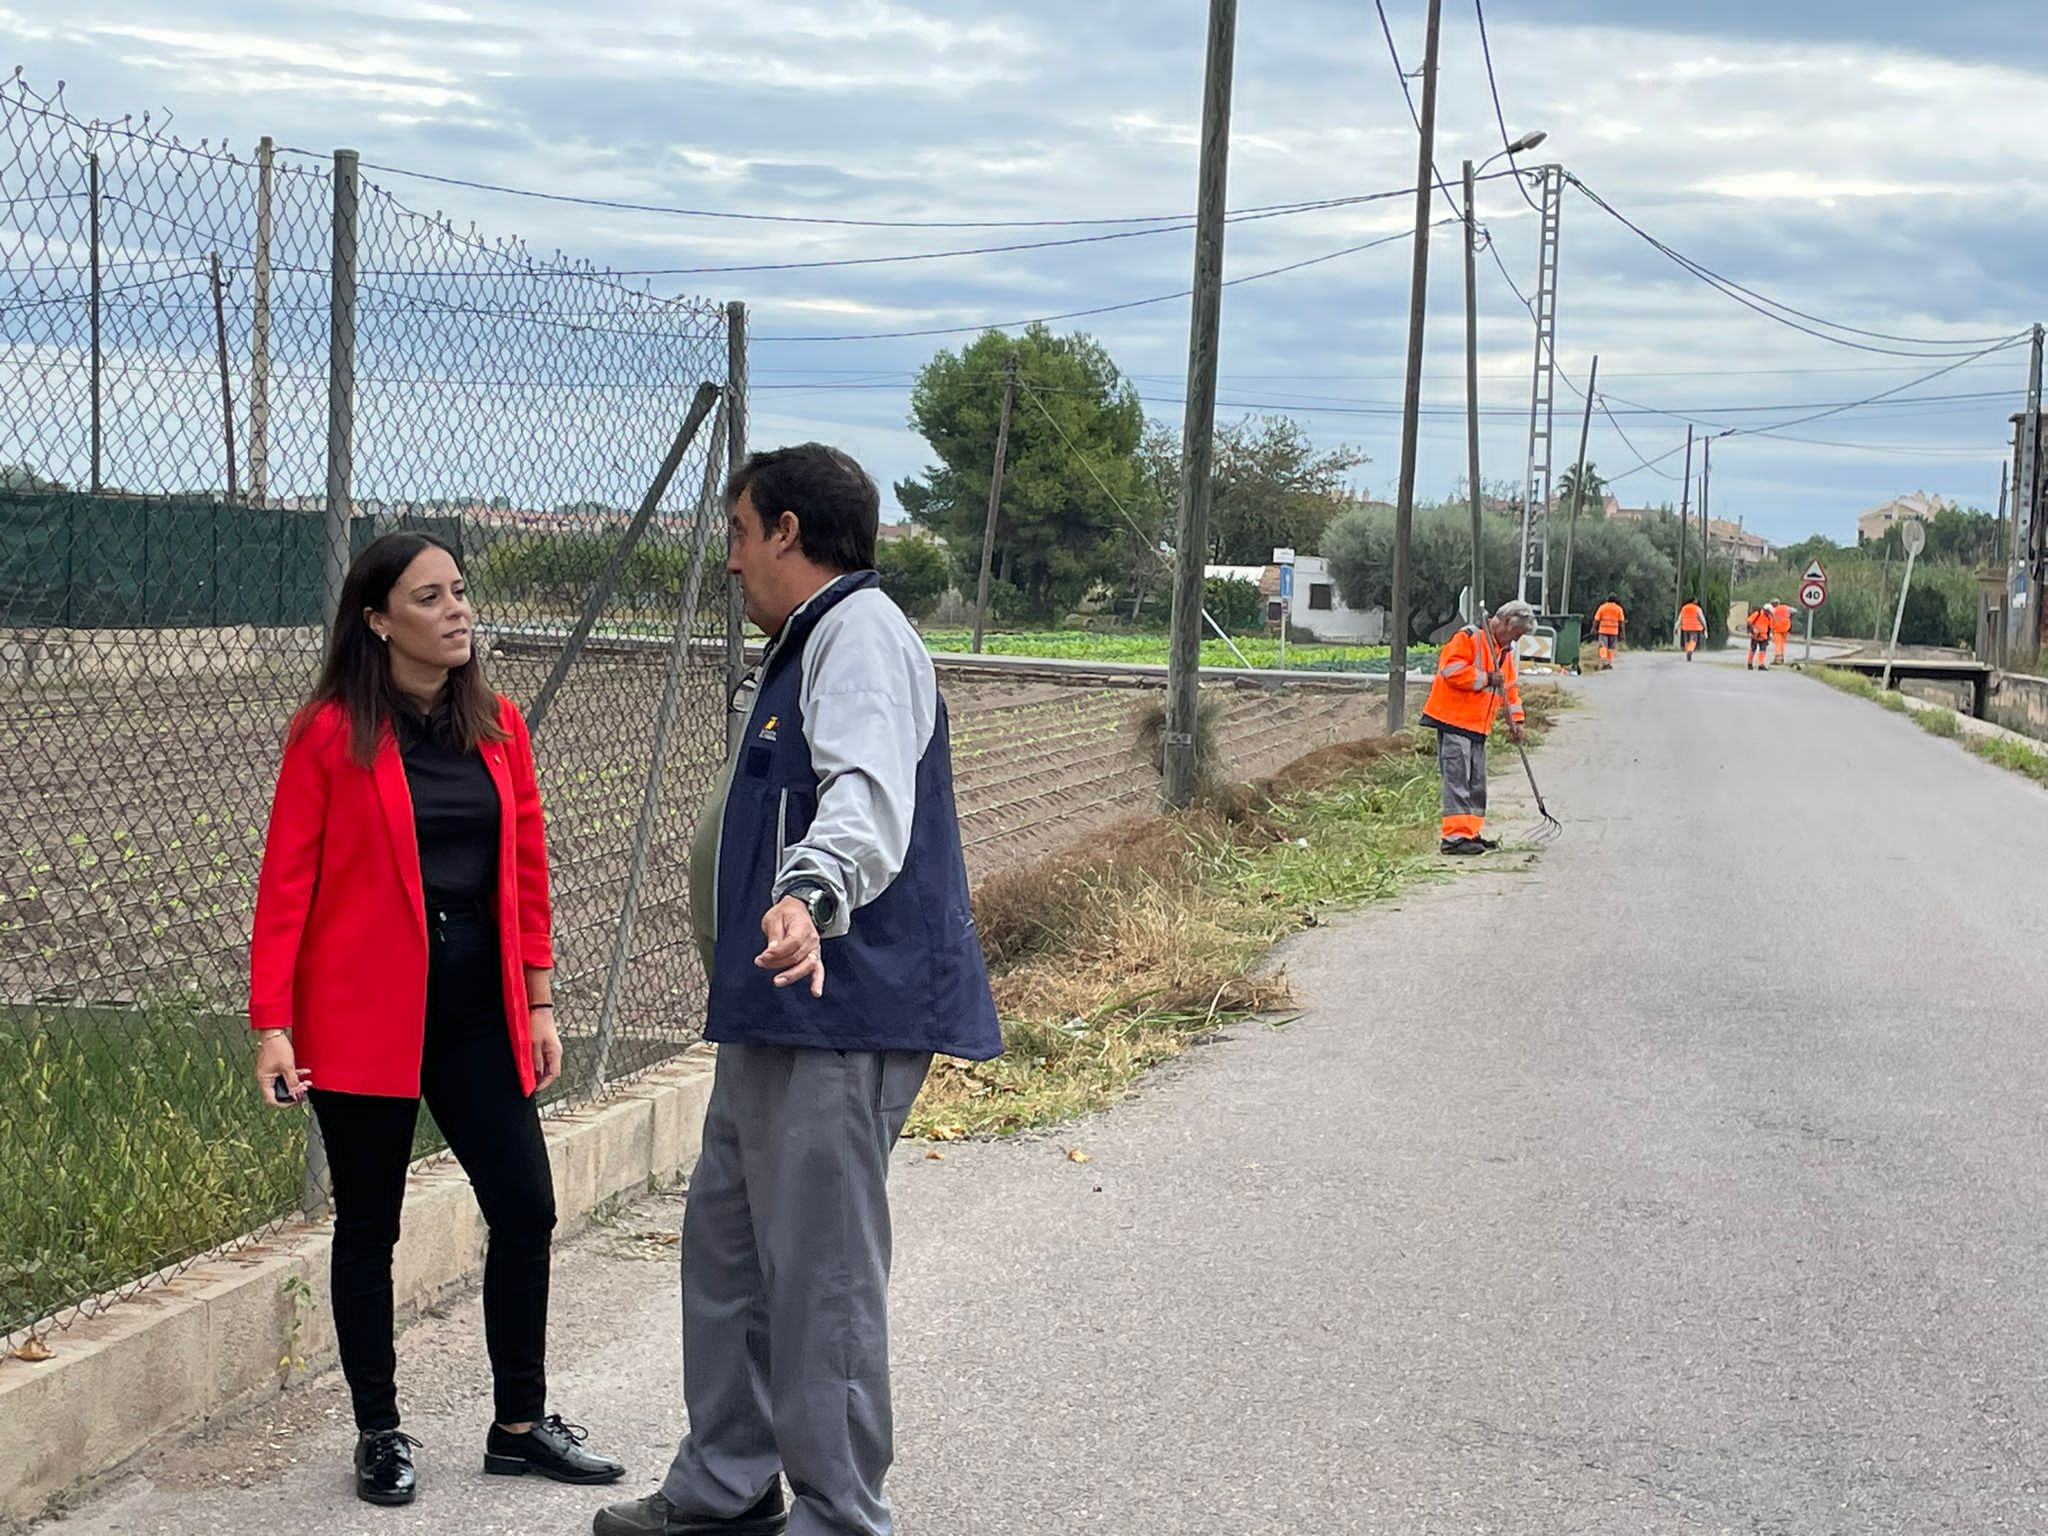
x: 471, y: 1085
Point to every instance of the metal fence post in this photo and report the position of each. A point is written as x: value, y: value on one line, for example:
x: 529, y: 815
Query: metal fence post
x: 608, y: 579
x: 341, y: 381
x: 259, y: 330
x: 341, y: 423
x: 708, y: 504
x: 93, y: 316
x: 735, y: 455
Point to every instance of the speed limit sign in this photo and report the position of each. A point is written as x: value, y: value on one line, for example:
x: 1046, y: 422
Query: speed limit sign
x: 1813, y: 594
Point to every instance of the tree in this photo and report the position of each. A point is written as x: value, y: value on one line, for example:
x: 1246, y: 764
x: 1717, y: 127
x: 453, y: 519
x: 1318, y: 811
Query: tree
x: 1060, y: 533
x: 1595, y: 504
x: 1269, y: 487
x: 1235, y: 603
x: 915, y: 574
x: 1359, y: 544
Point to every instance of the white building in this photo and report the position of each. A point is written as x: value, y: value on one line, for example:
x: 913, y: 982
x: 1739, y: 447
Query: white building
x: 1317, y: 606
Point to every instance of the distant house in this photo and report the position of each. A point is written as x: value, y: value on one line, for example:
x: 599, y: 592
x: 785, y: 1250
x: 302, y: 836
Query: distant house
x: 1874, y: 524
x: 1317, y: 606
x: 1726, y: 540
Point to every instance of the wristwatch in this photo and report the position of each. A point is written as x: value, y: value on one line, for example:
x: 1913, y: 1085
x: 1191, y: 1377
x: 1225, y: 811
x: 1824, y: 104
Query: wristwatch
x: 818, y: 900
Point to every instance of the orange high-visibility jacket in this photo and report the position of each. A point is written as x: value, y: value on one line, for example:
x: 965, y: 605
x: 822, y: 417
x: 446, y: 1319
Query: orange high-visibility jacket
x: 1760, y: 624
x: 1781, y: 619
x: 1608, y: 618
x: 1690, y: 617
x: 1459, y: 699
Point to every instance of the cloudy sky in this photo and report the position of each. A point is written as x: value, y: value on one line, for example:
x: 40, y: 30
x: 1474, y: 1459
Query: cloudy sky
x: 1880, y: 165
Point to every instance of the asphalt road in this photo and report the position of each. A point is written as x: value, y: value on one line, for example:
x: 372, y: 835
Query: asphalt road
x: 1688, y: 1179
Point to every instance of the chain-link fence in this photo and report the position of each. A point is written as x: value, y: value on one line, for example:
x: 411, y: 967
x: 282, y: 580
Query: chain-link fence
x: 219, y: 374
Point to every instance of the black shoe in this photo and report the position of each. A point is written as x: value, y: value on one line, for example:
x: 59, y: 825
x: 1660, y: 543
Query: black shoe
x: 551, y: 1448
x: 655, y: 1516
x: 1491, y: 845
x: 384, y: 1472
x: 1461, y: 847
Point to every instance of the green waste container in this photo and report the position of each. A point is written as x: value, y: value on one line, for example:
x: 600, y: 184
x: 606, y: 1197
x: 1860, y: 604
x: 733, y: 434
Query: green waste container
x: 1566, y: 630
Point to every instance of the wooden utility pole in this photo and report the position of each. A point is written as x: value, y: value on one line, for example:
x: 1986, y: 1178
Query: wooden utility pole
x: 1685, y: 525
x: 1411, y: 404
x: 227, y: 399
x: 1571, y: 528
x: 1477, y: 614
x: 1184, y: 660
x: 995, y: 501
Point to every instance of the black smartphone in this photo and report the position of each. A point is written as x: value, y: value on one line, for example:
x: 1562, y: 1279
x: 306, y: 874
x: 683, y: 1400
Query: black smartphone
x: 280, y: 1091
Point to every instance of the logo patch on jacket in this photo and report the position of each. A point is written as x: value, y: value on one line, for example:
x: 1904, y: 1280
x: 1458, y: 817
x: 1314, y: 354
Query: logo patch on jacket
x: 768, y: 727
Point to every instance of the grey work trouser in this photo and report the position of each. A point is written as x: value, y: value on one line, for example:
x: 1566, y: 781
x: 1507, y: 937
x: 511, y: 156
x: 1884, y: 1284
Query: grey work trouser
x: 1462, y: 762
x: 786, y: 1287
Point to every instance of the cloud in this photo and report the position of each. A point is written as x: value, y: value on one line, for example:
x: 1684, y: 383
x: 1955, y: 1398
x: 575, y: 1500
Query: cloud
x: 1877, y: 163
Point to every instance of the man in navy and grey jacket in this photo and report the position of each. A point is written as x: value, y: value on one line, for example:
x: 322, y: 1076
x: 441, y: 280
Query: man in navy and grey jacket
x: 831, y: 907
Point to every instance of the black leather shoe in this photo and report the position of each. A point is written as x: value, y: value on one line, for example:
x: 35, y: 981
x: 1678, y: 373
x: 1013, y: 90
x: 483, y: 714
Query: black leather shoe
x: 1461, y: 847
x: 384, y: 1472
x: 551, y: 1448
x: 655, y: 1516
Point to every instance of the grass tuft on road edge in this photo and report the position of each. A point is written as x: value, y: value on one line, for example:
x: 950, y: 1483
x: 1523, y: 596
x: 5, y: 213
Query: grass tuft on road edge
x: 1939, y: 722
x: 2006, y: 753
x: 1121, y: 953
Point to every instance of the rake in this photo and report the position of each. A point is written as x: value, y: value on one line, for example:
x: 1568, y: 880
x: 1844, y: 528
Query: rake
x: 1551, y: 827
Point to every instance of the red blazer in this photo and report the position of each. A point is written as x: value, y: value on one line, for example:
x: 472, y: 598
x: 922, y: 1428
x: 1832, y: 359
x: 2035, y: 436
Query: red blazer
x: 339, y: 952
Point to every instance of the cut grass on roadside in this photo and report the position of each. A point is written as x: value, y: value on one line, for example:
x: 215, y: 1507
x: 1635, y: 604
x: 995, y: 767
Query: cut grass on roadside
x: 1118, y: 955
x: 2007, y: 753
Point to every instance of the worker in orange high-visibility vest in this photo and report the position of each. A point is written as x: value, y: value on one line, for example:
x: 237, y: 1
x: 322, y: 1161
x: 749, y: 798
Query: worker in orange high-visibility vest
x: 1475, y: 675
x: 1692, y: 628
x: 1781, y: 628
x: 1759, y: 622
x: 1608, y: 620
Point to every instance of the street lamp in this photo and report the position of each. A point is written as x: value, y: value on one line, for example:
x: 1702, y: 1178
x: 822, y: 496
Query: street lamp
x: 1526, y: 142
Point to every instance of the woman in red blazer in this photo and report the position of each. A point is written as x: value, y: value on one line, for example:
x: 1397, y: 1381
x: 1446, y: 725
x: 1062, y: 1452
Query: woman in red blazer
x: 401, y: 952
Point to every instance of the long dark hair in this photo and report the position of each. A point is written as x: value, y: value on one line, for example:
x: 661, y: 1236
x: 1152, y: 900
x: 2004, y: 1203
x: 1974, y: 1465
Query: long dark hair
x: 357, y: 673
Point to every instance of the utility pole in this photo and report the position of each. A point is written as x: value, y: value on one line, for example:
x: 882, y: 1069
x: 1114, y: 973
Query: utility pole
x: 259, y: 332
x: 1476, y: 616
x: 995, y: 501
x: 1184, y: 660
x: 1571, y: 528
x: 227, y: 399
x: 2028, y: 493
x: 1706, y: 483
x: 1411, y: 405
x: 1685, y: 525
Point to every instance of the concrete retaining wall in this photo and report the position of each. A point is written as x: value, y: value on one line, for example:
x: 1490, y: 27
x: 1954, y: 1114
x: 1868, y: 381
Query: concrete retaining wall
x: 208, y: 1342
x: 2019, y: 701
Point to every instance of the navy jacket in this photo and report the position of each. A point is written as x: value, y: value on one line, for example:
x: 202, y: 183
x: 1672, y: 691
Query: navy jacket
x: 908, y: 974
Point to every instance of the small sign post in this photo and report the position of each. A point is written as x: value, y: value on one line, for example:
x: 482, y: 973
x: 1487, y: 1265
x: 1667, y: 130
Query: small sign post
x: 1284, y: 558
x: 1813, y: 591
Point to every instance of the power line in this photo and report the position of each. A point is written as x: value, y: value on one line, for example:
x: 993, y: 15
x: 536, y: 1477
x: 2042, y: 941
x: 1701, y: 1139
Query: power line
x: 910, y: 256
x: 1772, y: 428
x: 1408, y: 95
x: 1500, y: 117
x: 731, y: 215
x: 1101, y: 309
x: 1774, y: 309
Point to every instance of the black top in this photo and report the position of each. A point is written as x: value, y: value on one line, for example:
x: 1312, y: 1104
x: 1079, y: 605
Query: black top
x: 455, y: 816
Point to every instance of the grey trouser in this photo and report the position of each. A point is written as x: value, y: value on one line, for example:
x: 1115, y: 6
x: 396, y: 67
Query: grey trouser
x: 786, y: 1287
x: 1462, y: 762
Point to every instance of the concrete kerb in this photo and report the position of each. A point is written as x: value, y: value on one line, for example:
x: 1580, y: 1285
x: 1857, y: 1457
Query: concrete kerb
x: 212, y: 1340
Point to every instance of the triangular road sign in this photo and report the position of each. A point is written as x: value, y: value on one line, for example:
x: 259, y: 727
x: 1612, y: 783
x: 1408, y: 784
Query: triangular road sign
x: 1815, y: 573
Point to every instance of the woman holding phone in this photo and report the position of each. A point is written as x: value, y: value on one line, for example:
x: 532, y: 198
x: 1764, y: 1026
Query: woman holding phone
x: 401, y: 952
